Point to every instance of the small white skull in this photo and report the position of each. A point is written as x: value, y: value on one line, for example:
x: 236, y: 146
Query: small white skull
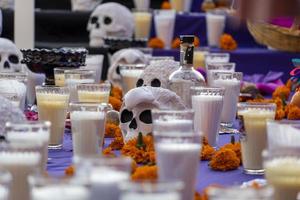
x: 135, y: 115
x: 157, y: 73
x: 124, y: 56
x: 10, y: 56
x: 110, y: 19
x: 85, y: 5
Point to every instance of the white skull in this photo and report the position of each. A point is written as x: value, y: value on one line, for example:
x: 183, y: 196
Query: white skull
x: 85, y: 5
x: 110, y: 20
x: 157, y: 73
x: 135, y: 115
x: 124, y: 56
x: 10, y: 56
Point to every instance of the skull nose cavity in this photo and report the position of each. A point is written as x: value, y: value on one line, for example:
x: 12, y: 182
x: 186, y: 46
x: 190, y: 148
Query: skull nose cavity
x: 133, y: 124
x: 6, y: 65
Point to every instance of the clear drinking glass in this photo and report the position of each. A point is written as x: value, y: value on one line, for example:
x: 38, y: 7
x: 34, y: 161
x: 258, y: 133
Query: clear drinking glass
x: 199, y: 57
x: 47, y: 188
x: 151, y: 190
x: 142, y: 19
x: 94, y: 93
x: 217, y: 67
x: 142, y: 4
x: 20, y: 160
x: 164, y: 25
x: 207, y: 104
x: 253, y: 118
x: 105, y: 175
x: 31, y: 132
x: 237, y: 193
x: 59, y: 76
x: 215, y: 25
x: 95, y: 63
x: 283, y: 133
x: 181, y: 5
x: 52, y: 103
x: 88, y: 127
x: 76, y: 77
x: 231, y: 81
x: 217, y: 58
x: 130, y: 74
x: 177, y: 144
x: 283, y: 171
x: 5, y: 183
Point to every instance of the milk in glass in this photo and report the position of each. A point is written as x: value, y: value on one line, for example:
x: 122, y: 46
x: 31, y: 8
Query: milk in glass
x: 130, y: 75
x: 142, y: 24
x: 215, y: 27
x: 142, y: 4
x: 72, y: 83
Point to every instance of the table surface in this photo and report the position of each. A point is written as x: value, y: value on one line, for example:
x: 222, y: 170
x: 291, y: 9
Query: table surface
x: 59, y: 160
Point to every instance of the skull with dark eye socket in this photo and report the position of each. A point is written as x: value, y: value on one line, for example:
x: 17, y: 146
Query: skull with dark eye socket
x: 9, y: 56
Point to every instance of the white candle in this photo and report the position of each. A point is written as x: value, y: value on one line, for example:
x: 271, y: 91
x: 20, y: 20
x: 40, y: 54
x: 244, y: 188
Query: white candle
x: 24, y: 23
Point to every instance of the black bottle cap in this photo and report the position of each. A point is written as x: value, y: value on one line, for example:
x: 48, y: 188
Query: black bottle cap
x: 187, y: 38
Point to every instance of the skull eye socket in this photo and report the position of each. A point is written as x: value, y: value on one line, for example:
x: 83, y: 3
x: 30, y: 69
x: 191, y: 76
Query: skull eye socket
x: 126, y: 116
x: 140, y: 83
x: 146, y: 117
x: 94, y: 20
x: 155, y: 83
x: 118, y: 70
x: 13, y: 59
x: 107, y: 20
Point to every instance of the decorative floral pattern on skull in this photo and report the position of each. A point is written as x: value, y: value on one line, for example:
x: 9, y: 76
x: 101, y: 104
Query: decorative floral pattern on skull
x: 10, y: 56
x: 157, y: 73
x: 124, y: 56
x: 135, y: 115
x: 110, y: 20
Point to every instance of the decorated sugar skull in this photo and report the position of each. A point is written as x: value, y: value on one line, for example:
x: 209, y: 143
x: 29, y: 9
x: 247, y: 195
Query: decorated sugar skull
x: 110, y: 20
x: 157, y: 73
x: 124, y: 56
x: 85, y: 4
x: 135, y: 115
x: 10, y: 56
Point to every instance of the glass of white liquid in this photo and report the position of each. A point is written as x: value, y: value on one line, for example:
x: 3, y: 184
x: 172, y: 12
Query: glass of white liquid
x: 21, y: 161
x: 181, y: 5
x: 177, y: 144
x: 217, y: 67
x: 207, y: 104
x: 95, y: 63
x: 283, y: 171
x: 142, y: 21
x: 47, y: 188
x: 59, y: 76
x: 199, y: 57
x: 34, y: 133
x: 142, y: 4
x: 253, y: 119
x: 217, y: 58
x: 151, y: 190
x: 88, y: 127
x: 237, y: 193
x: 75, y: 77
x: 231, y: 81
x: 164, y: 25
x: 5, y: 182
x: 159, y: 58
x: 94, y: 93
x: 52, y: 103
x: 215, y: 25
x: 130, y: 75
x: 105, y: 175
x: 283, y: 133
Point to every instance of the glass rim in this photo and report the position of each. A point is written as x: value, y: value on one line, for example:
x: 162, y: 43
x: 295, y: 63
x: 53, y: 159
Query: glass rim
x: 185, y: 111
x: 227, y: 73
x: 218, y: 54
x: 139, y: 66
x: 158, y: 58
x: 54, y: 87
x: 90, y: 105
x: 151, y: 186
x: 62, y: 69
x: 221, y: 191
x: 256, y: 105
x: 220, y: 64
x: 40, y: 180
x: 79, y: 72
x: 164, y: 10
x: 200, y: 88
x: 147, y: 10
x: 95, y: 85
x: 31, y: 124
x: 21, y: 147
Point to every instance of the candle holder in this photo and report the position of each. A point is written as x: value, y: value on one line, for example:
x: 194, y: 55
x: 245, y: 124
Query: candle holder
x: 45, y: 60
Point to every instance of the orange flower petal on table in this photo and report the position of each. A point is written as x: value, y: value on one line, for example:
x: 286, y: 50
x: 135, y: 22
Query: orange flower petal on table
x: 70, y: 171
x: 227, y: 42
x: 166, y: 5
x: 207, y: 152
x: 224, y: 160
x: 116, y: 92
x: 156, y: 43
x: 115, y: 102
x: 281, y: 92
x: 145, y: 173
x: 293, y: 112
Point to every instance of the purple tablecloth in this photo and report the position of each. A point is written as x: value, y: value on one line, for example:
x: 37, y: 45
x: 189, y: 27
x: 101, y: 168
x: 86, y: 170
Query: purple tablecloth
x: 251, y: 60
x: 61, y: 159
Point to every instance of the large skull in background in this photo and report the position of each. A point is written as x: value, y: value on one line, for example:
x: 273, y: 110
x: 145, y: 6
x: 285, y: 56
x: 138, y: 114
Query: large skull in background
x: 110, y: 20
x: 10, y: 56
x: 135, y: 115
x: 124, y: 56
x: 157, y: 73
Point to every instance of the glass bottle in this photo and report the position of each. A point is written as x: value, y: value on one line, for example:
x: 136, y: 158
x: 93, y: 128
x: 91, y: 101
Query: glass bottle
x: 186, y: 76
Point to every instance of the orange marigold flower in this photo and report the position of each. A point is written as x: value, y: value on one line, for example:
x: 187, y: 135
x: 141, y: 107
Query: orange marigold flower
x: 227, y: 42
x: 115, y: 102
x: 204, y: 141
x: 197, y: 41
x: 112, y: 130
x: 156, y: 43
x: 289, y: 84
x: 197, y: 196
x: 108, y: 152
x: 176, y: 42
x: 208, y: 5
x: 148, y: 173
x: 293, y: 112
x: 280, y: 114
x: 70, y: 171
x: 134, y: 166
x: 116, y: 92
x: 224, y: 160
x: 166, y: 5
x: 236, y: 147
x: 207, y: 152
x: 281, y: 92
x: 117, y: 143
